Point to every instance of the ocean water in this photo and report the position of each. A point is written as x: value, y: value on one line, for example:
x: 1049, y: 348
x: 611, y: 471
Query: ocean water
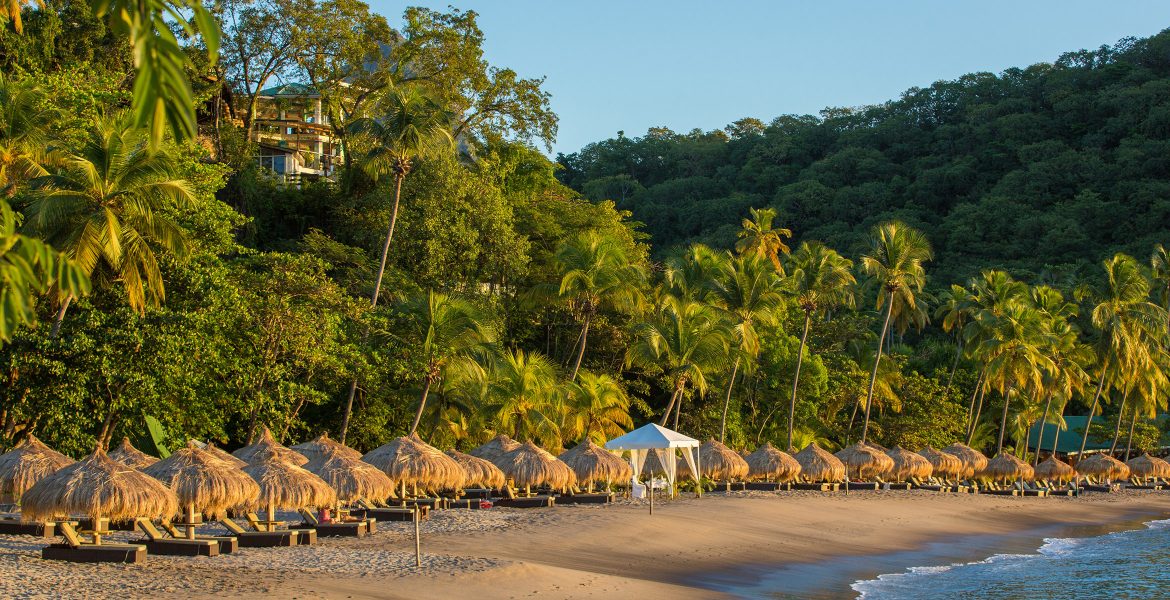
x: 1121, y: 565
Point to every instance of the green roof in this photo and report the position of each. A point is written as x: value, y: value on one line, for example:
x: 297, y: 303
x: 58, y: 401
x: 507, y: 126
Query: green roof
x: 289, y: 90
x: 1070, y: 438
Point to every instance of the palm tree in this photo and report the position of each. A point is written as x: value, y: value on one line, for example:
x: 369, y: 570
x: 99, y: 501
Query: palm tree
x: 897, y: 252
x: 955, y: 309
x: 760, y: 238
x: 1128, y: 322
x: 23, y: 139
x: 595, y: 271
x: 748, y: 293
x: 821, y: 279
x: 686, y: 339
x: 598, y: 408
x: 410, y: 127
x: 991, y: 293
x: 522, y: 396
x: 1160, y: 274
x: 447, y: 331
x: 1016, y: 363
x: 1068, y: 355
x: 28, y: 268
x: 106, y: 209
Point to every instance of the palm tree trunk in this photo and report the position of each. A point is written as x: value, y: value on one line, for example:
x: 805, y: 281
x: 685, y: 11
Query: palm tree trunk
x: 1129, y: 440
x: 1117, y: 427
x: 978, y: 413
x: 1056, y: 438
x: 727, y: 401
x: 422, y: 402
x: 581, y: 351
x: 60, y: 317
x: 670, y: 407
x: 876, y: 359
x: 954, y: 367
x: 677, y: 411
x: 1007, y: 401
x: 373, y: 299
x: 1092, y: 411
x: 974, y: 394
x: 796, y: 379
x: 1043, y: 422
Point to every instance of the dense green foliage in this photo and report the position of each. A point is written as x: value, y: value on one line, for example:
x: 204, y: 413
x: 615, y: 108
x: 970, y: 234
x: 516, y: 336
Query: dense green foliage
x: 1038, y: 171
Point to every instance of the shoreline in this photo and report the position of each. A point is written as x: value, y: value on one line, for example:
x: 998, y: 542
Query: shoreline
x: 680, y: 552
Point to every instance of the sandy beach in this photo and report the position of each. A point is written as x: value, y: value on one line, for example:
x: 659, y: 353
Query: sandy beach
x: 576, y: 551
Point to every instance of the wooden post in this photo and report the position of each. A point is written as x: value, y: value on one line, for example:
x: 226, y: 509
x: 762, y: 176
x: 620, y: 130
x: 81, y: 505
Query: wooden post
x: 271, y: 517
x: 190, y: 521
x: 97, y: 530
x: 417, y: 540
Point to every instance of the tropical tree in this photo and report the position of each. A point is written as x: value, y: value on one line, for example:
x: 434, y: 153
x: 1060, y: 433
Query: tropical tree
x: 1129, y: 325
x: 759, y: 237
x: 23, y: 138
x: 107, y: 207
x: 522, y: 396
x: 821, y: 279
x: 1160, y: 275
x: 894, y: 261
x: 410, y: 126
x: 1068, y: 354
x: 686, y: 339
x: 748, y: 293
x: 955, y: 309
x: 595, y: 271
x: 447, y: 332
x: 597, y: 408
x: 991, y: 293
x: 1013, y: 351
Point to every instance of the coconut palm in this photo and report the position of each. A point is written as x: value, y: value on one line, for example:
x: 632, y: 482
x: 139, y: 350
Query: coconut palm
x: 991, y: 293
x: 597, y: 408
x: 23, y: 139
x: 894, y: 261
x: 748, y: 293
x: 446, y: 332
x: 409, y: 126
x: 522, y: 396
x: 106, y: 210
x: 1013, y: 351
x: 1069, y: 356
x: 821, y: 279
x: 955, y: 308
x: 595, y: 271
x: 760, y: 238
x: 1160, y: 274
x: 1129, y: 325
x: 686, y: 339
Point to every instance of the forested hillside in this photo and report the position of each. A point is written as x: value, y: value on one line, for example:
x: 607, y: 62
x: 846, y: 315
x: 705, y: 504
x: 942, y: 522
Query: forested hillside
x: 1039, y: 169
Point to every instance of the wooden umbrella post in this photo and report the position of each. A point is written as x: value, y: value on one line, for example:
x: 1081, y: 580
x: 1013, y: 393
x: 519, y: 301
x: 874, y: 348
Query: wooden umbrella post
x: 650, y: 490
x: 190, y: 521
x: 271, y: 517
x: 97, y: 530
x: 417, y: 540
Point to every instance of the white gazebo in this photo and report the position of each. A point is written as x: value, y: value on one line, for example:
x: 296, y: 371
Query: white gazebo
x: 665, y: 444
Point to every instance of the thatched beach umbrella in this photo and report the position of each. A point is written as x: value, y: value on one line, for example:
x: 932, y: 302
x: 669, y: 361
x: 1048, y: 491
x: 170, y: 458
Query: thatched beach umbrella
x: 408, y: 459
x: 97, y: 487
x: 973, y: 460
x: 1148, y: 467
x: 203, y: 483
x: 864, y: 461
x: 816, y: 464
x: 719, y: 462
x: 909, y: 465
x: 1104, y: 466
x: 1054, y: 469
x: 943, y: 464
x: 27, y: 463
x: 130, y: 456
x: 267, y: 444
x: 321, y: 445
x: 1006, y: 467
x: 219, y: 453
x: 351, y: 478
x: 495, y: 449
x: 530, y: 465
x: 285, y: 485
x: 591, y: 463
x: 772, y: 464
x: 478, y: 471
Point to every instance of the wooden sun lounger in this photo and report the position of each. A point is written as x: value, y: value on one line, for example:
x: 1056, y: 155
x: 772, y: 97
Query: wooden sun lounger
x: 260, y: 539
x: 767, y: 486
x: 46, y: 530
x: 1140, y: 484
x: 862, y: 486
x: 366, y: 510
x: 357, y: 528
x: 531, y: 502
x: 157, y: 543
x: 477, y: 493
x: 75, y: 550
x: 599, y: 498
x: 305, y: 536
x: 469, y: 503
x: 227, y: 543
x: 817, y: 487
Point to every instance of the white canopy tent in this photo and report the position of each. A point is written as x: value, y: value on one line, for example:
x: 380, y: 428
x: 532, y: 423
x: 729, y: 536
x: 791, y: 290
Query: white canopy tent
x: 664, y: 443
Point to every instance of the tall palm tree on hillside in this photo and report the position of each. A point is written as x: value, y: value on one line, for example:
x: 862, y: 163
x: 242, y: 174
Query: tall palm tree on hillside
x: 758, y: 236
x: 895, y: 261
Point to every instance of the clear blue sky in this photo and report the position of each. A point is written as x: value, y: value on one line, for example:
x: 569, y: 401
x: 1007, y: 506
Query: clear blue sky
x: 683, y: 64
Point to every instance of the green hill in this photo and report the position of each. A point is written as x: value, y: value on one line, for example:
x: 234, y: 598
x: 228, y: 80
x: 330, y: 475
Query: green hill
x: 1040, y: 170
